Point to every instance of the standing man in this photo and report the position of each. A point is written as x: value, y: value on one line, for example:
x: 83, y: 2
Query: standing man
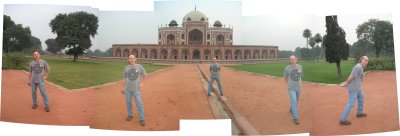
x: 353, y: 84
x: 133, y: 80
x: 39, y: 70
x: 292, y: 74
x: 215, y: 68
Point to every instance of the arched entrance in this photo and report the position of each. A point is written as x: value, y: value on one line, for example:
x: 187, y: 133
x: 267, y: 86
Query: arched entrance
x: 195, y: 37
x: 118, y: 53
x: 196, y: 54
x: 171, y: 39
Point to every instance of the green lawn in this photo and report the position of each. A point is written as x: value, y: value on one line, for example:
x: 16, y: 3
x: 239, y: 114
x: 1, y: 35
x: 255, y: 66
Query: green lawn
x: 84, y: 73
x: 318, y: 72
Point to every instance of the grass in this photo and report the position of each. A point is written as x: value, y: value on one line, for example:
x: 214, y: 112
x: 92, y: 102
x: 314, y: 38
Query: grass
x: 85, y: 73
x: 318, y: 72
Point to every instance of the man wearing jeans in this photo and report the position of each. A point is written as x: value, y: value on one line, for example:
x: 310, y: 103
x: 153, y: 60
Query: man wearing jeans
x: 353, y: 84
x: 215, y: 68
x: 38, y: 72
x: 133, y: 80
x: 292, y: 75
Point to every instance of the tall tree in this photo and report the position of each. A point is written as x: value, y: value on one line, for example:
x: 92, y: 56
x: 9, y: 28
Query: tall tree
x: 74, y: 31
x: 307, y: 34
x: 36, y: 46
x: 52, y: 46
x: 378, y: 33
x: 318, y: 39
x: 336, y: 47
x: 312, y: 42
x: 15, y: 36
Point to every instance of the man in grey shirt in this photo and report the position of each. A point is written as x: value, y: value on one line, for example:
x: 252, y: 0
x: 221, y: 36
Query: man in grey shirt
x: 215, y: 68
x: 292, y: 75
x: 39, y: 70
x: 132, y: 83
x: 353, y: 84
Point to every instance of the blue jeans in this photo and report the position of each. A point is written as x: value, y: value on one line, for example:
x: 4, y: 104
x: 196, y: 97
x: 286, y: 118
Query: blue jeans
x: 294, y: 101
x: 212, y: 82
x: 138, y: 100
x: 353, y: 95
x: 42, y: 92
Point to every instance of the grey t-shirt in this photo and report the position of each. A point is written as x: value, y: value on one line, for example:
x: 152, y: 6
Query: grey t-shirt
x: 132, y: 76
x: 37, y: 70
x: 214, y: 70
x: 357, y: 73
x: 293, y: 74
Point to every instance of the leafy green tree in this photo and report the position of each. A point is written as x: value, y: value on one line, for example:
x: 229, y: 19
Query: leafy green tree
x: 36, y: 46
x: 52, y: 46
x: 378, y: 33
x: 284, y: 54
x: 336, y: 47
x: 312, y: 42
x: 15, y: 36
x: 74, y: 31
x: 307, y: 34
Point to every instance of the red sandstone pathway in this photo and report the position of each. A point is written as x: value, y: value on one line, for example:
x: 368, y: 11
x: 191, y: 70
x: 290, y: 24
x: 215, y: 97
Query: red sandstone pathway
x: 380, y: 104
x: 67, y: 108
x: 264, y: 102
x: 168, y: 96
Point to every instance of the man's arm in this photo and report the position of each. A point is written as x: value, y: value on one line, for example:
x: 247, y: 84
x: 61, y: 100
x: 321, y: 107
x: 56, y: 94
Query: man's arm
x: 29, y: 78
x: 349, y: 79
x: 47, y: 73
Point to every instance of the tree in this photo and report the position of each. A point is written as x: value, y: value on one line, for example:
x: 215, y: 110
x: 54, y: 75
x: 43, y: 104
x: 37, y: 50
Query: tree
x: 336, y: 47
x: 36, y: 46
x: 109, y: 51
x: 312, y: 42
x: 284, y: 54
x: 74, y: 31
x: 318, y: 39
x: 52, y: 46
x: 378, y: 33
x: 307, y: 34
x: 15, y: 36
x: 306, y: 53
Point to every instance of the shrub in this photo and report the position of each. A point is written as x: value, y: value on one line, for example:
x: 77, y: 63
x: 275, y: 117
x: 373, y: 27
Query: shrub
x: 15, y: 60
x: 381, y: 64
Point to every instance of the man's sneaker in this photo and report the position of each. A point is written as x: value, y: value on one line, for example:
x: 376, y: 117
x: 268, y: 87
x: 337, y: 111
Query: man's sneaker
x: 346, y: 122
x: 47, y: 109
x: 359, y: 115
x: 296, y: 121
x: 34, y: 106
x: 142, y: 122
x: 222, y: 94
x: 129, y: 118
x: 208, y: 94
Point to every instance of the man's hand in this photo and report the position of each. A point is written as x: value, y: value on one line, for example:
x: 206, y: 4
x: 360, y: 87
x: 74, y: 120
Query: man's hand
x: 45, y: 77
x: 123, y: 92
x: 29, y: 83
x: 344, y: 84
x: 141, y: 85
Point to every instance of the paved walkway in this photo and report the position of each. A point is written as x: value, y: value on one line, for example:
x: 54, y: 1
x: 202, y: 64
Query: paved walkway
x: 67, y: 108
x: 264, y: 102
x: 168, y: 95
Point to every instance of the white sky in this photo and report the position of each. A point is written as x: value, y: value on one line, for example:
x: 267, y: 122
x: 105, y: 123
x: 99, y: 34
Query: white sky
x: 268, y: 26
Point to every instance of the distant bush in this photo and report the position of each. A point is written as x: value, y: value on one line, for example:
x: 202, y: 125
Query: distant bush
x: 15, y: 60
x: 381, y: 64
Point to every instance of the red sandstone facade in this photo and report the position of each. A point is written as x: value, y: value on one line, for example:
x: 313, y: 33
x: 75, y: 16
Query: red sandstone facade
x: 194, y: 41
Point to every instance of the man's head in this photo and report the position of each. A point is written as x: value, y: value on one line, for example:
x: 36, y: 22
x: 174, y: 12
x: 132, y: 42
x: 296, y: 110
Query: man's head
x: 214, y: 60
x: 132, y: 59
x: 363, y: 61
x: 293, y: 60
x: 36, y: 55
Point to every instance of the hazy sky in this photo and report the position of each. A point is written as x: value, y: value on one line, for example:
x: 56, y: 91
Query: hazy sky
x: 283, y: 29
